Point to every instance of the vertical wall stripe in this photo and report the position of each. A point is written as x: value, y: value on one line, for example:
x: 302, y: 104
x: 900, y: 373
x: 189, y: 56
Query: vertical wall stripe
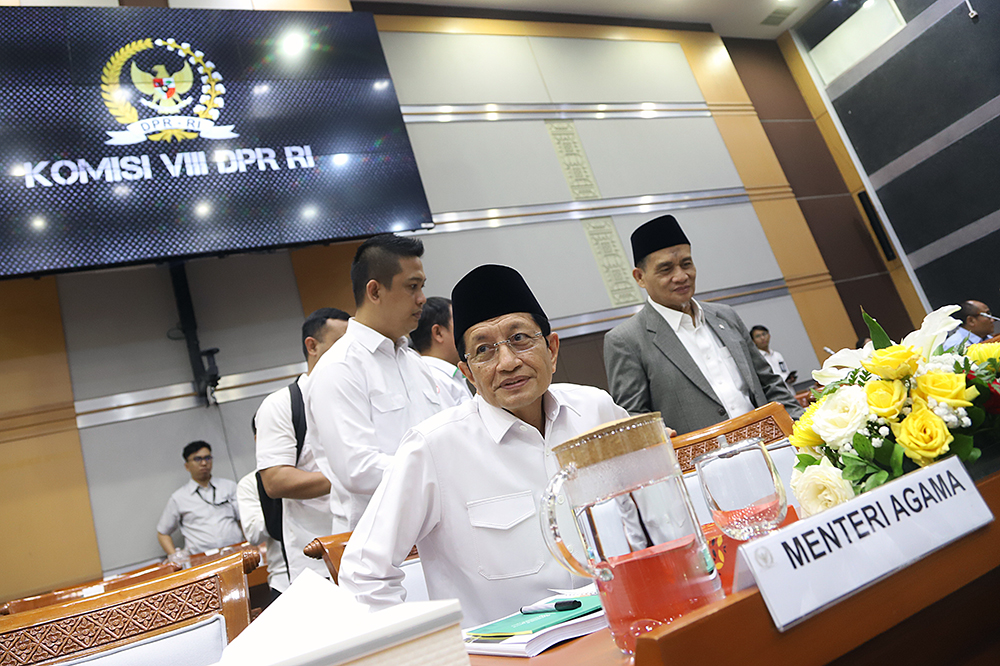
x: 846, y: 165
x: 45, y: 510
x: 323, y: 275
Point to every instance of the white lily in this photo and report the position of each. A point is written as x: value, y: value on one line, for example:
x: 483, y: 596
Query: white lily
x: 839, y: 365
x: 933, y: 330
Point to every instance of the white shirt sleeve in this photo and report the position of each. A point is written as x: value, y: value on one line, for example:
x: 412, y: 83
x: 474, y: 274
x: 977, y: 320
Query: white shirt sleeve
x: 170, y: 519
x: 251, y: 515
x: 404, y: 509
x: 341, y: 412
x: 276, y: 442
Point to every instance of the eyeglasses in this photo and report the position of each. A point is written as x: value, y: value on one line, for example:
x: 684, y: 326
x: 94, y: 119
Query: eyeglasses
x: 518, y: 343
x: 987, y: 314
x: 201, y: 459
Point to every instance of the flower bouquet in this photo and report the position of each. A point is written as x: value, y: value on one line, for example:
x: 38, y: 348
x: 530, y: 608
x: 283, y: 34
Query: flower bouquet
x: 889, y: 408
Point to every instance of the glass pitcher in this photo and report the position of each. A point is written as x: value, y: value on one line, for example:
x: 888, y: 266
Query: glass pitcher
x: 644, y: 548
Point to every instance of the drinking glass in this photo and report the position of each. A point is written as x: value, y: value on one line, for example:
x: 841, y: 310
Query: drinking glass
x: 742, y: 488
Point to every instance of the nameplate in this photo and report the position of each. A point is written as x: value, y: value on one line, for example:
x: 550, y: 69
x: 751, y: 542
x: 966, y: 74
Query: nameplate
x: 819, y: 560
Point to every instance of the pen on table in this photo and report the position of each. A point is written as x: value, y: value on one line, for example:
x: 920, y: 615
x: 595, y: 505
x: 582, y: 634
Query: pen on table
x: 565, y: 605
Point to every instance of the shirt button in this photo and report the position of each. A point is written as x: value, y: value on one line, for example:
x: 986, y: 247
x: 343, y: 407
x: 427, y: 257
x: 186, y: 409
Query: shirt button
x: 523, y: 428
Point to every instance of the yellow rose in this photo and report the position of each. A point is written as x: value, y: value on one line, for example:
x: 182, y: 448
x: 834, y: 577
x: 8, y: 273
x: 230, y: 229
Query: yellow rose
x: 893, y: 362
x: 886, y: 398
x: 946, y: 387
x: 983, y: 351
x: 803, y: 435
x: 922, y: 434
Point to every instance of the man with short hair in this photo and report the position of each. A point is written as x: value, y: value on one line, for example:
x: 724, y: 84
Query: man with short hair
x: 977, y: 325
x: 371, y: 387
x: 298, y: 479
x: 434, y: 340
x: 466, y: 484
x: 762, y: 338
x: 693, y: 362
x: 203, y: 508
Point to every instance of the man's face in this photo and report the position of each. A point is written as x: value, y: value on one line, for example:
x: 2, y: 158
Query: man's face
x: 980, y: 325
x: 510, y: 380
x: 333, y: 330
x: 199, y: 465
x: 668, y: 276
x: 404, y: 299
x: 762, y: 339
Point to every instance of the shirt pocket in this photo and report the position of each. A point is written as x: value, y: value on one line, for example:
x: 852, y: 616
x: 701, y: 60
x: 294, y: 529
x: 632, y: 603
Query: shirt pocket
x: 508, y: 541
x: 387, y: 410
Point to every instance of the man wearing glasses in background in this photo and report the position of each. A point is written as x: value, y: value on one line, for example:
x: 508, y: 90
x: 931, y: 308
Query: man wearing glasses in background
x: 465, y: 485
x: 203, y: 508
x: 977, y: 325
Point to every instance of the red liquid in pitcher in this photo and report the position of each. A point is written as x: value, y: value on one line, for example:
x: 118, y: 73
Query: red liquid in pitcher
x: 655, y: 586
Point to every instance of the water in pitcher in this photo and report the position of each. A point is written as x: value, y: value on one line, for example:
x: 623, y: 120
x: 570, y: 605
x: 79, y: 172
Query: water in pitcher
x: 751, y: 521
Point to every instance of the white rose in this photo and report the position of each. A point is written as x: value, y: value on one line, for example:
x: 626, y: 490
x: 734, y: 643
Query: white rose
x: 820, y: 487
x: 840, y: 416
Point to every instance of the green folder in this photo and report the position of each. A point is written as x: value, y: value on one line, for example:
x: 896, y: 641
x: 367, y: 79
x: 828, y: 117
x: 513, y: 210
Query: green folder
x: 519, y: 623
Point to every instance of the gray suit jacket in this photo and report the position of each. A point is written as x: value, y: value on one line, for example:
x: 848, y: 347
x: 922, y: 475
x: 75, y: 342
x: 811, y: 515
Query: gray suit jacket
x: 650, y: 370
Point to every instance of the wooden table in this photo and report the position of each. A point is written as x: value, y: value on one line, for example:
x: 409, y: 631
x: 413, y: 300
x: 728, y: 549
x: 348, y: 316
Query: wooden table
x: 943, y: 609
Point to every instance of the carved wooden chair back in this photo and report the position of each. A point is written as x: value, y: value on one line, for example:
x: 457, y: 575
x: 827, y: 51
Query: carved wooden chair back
x: 114, y: 619
x: 89, y: 589
x: 330, y: 549
x: 995, y: 338
x: 770, y: 422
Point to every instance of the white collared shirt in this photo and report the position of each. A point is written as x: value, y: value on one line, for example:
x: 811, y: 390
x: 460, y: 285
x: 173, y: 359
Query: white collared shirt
x: 252, y: 519
x: 776, y: 361
x: 466, y: 488
x: 711, y: 356
x: 363, y: 395
x: 960, y: 335
x: 302, y: 520
x: 207, y: 517
x: 450, y: 379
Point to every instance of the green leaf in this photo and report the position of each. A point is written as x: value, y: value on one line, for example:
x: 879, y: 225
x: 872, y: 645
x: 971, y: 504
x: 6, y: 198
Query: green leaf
x: 977, y: 415
x: 848, y: 459
x: 805, y: 460
x: 883, y: 454
x: 962, y: 446
x: 855, y: 472
x: 876, y: 480
x: 896, y: 462
x: 973, y: 455
x: 863, y: 446
x: 880, y: 340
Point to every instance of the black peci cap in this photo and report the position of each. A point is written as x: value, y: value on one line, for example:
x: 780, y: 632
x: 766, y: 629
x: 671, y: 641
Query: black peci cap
x: 490, y: 291
x: 658, y: 233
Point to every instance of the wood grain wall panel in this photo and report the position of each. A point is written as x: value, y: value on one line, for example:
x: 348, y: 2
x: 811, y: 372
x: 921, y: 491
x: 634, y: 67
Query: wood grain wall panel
x: 323, y: 276
x: 751, y: 151
x: 45, y: 502
x: 805, y: 159
x: 842, y: 237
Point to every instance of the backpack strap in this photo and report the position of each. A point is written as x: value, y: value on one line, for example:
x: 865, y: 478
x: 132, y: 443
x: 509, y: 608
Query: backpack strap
x: 298, y: 417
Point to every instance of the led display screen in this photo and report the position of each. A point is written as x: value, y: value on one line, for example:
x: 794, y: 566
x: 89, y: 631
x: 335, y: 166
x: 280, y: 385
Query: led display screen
x: 133, y: 135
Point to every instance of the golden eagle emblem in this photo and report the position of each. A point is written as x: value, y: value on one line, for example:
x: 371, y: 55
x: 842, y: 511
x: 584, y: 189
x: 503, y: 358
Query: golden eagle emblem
x: 165, y: 88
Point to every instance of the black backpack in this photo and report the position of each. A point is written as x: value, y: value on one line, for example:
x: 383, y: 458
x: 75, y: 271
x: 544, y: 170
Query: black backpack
x: 270, y: 506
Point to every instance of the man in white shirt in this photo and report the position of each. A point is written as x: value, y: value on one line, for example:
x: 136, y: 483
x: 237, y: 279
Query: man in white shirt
x: 298, y: 479
x: 434, y: 340
x: 370, y: 388
x: 203, y: 508
x: 466, y: 484
x: 762, y: 338
x: 693, y: 362
x: 252, y: 520
x: 977, y: 325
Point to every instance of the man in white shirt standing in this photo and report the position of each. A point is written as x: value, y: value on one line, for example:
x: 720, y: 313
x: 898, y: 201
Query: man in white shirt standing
x: 466, y: 484
x: 370, y: 388
x: 762, y: 338
x: 203, y: 508
x: 298, y: 479
x: 693, y: 362
x: 434, y: 340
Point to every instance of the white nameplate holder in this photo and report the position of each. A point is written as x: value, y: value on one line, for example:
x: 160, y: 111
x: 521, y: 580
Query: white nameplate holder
x: 819, y: 560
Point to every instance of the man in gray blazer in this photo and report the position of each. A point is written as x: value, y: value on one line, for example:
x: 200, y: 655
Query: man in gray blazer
x: 693, y: 362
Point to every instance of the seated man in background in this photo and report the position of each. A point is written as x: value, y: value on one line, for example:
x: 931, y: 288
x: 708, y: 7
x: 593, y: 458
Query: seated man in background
x: 977, y: 325
x: 203, y: 508
x: 465, y: 485
x: 762, y: 338
x: 434, y: 339
x: 291, y: 472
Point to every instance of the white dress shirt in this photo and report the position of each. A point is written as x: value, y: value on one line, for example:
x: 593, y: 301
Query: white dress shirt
x: 449, y: 378
x: 711, y: 357
x: 207, y: 517
x: 466, y: 488
x: 960, y: 335
x: 302, y: 520
x: 362, y: 396
x: 252, y: 519
x: 777, y: 362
